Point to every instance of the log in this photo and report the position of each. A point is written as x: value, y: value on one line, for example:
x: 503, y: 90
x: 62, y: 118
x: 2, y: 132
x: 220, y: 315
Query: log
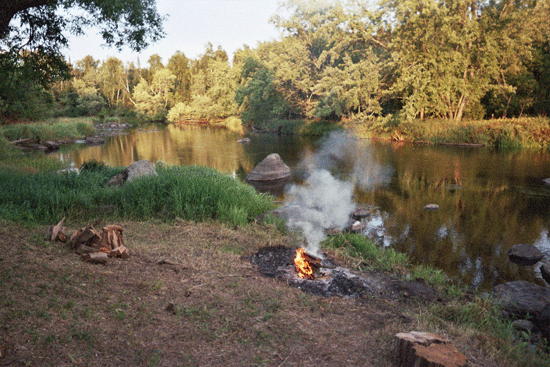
x: 95, y: 257
x: 120, y: 251
x: 112, y: 237
x: 314, y: 261
x: 88, y: 236
x: 420, y: 349
x: 57, y: 232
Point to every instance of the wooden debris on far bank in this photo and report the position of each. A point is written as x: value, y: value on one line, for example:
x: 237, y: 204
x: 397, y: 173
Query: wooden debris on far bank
x: 93, y: 245
x: 417, y: 348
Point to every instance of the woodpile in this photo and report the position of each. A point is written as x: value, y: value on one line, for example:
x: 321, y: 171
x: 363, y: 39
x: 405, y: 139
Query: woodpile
x: 420, y: 349
x: 93, y: 245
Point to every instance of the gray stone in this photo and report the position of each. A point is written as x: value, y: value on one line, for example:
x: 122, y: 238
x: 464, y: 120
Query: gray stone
x: 520, y: 298
x: 546, y: 181
x: 545, y: 272
x: 525, y: 255
x: 270, y: 169
x: 136, y: 169
x: 431, y: 207
x: 524, y: 325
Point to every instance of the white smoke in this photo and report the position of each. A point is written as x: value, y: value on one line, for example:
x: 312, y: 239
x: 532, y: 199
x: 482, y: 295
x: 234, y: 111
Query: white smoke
x: 323, y: 201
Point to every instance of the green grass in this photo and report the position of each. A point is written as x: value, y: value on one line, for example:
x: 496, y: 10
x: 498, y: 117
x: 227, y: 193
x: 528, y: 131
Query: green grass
x: 191, y: 193
x: 369, y: 254
x: 54, y: 129
x: 514, y: 133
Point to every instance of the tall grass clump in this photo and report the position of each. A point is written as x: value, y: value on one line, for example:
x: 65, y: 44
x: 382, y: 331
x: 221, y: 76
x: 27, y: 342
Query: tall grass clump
x: 360, y: 247
x: 193, y: 193
x: 55, y: 129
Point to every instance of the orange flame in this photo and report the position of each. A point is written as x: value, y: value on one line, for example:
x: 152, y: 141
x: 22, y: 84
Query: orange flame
x: 303, y: 268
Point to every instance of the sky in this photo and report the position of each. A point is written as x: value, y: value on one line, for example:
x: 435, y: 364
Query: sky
x: 189, y: 26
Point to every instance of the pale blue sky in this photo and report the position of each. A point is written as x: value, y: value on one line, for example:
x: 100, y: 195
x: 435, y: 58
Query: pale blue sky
x: 190, y: 25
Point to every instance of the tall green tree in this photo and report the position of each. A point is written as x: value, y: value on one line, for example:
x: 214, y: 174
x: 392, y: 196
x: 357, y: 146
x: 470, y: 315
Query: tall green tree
x: 179, y: 66
x: 448, y: 54
x: 34, y: 32
x: 111, y: 80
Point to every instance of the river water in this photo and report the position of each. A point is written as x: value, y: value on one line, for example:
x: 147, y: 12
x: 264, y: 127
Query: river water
x: 488, y: 201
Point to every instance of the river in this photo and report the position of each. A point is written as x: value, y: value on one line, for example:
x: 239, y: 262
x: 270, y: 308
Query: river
x: 488, y: 201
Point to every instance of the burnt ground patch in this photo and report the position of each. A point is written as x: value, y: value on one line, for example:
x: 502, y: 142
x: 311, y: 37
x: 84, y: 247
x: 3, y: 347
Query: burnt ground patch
x: 334, y: 279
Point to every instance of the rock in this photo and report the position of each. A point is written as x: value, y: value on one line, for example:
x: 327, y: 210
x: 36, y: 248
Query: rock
x: 524, y: 325
x: 356, y: 227
x: 244, y: 141
x: 545, y: 272
x: 136, y: 169
x: 525, y: 254
x: 360, y: 213
x: 431, y: 207
x: 520, y: 298
x: 546, y: 181
x: 270, y: 169
x: 94, y: 140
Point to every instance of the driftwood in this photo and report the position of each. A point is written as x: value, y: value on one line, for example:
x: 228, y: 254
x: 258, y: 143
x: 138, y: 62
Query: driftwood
x: 420, y: 349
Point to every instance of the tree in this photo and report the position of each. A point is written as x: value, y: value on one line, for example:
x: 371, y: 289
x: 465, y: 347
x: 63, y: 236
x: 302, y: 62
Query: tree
x: 179, y: 66
x: 258, y: 97
x: 32, y: 35
x: 448, y: 54
x: 111, y: 80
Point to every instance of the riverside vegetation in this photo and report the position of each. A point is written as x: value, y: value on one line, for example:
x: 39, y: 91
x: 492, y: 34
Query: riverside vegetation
x: 188, y: 296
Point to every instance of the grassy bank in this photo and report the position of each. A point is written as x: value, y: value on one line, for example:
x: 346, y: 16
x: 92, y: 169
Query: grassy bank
x: 529, y: 133
x: 53, y: 129
x: 193, y: 193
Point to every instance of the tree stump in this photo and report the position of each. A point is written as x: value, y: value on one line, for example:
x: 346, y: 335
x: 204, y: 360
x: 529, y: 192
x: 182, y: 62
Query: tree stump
x: 420, y: 349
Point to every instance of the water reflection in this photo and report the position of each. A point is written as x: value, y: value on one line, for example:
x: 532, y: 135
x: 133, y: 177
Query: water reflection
x: 489, y: 201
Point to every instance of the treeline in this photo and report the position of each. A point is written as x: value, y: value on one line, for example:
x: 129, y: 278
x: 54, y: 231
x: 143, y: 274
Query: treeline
x: 412, y: 59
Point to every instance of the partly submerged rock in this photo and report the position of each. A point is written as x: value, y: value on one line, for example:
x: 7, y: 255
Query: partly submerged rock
x: 520, y: 298
x: 270, y: 169
x: 525, y: 254
x: 136, y: 169
x: 431, y: 207
x: 545, y: 272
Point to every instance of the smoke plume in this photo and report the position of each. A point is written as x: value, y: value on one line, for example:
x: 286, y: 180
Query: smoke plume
x: 323, y: 201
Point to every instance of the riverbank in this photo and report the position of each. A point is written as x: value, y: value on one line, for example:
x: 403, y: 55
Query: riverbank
x: 512, y: 133
x: 189, y: 295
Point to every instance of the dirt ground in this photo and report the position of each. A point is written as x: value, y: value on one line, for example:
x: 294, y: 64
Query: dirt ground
x: 187, y: 296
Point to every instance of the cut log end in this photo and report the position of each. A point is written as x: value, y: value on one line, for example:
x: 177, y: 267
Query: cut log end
x: 415, y: 349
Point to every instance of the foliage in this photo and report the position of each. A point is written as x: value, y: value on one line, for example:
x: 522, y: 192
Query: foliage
x: 32, y: 36
x: 193, y: 193
x: 55, y: 129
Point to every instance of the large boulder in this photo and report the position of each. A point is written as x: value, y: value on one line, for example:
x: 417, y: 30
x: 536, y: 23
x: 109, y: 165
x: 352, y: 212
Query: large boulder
x: 272, y: 168
x: 136, y: 169
x: 525, y: 254
x: 520, y: 298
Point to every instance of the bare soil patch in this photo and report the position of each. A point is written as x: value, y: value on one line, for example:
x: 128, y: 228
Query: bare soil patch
x: 188, y: 295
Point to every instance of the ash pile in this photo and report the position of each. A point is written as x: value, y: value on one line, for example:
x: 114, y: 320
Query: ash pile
x: 329, y: 279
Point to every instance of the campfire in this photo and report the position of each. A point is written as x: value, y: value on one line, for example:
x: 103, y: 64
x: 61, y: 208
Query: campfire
x: 306, y: 264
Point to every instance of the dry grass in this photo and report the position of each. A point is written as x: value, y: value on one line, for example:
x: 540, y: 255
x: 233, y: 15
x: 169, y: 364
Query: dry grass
x: 187, y: 296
